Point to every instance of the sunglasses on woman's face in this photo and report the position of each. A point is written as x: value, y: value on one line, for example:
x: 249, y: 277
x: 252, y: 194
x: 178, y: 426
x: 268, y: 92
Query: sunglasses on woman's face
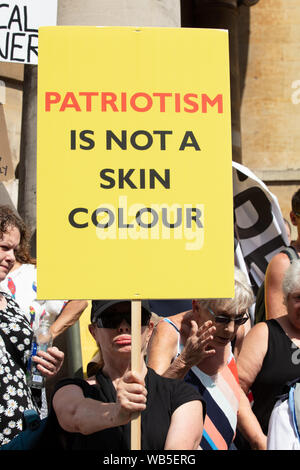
x: 226, y: 319
x: 114, y: 319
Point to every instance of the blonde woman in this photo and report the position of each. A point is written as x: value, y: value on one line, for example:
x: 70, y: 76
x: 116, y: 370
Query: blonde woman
x: 196, y: 345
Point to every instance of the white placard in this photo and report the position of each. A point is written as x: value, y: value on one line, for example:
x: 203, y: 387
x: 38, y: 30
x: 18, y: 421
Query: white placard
x: 19, y: 23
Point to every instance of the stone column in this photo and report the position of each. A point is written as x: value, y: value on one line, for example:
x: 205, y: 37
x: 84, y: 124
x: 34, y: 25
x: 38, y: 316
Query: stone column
x: 119, y: 12
x: 222, y: 14
x: 27, y: 165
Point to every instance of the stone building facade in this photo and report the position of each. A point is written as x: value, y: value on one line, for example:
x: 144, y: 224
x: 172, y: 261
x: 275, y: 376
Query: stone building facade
x: 265, y: 77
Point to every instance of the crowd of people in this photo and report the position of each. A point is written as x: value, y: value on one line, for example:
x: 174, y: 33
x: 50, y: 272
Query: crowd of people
x: 209, y: 378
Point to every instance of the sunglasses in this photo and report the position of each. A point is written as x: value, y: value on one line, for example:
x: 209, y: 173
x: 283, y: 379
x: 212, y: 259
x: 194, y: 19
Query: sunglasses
x: 226, y: 319
x: 114, y: 319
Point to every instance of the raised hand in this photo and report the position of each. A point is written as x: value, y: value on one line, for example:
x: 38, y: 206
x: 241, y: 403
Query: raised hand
x: 197, y: 348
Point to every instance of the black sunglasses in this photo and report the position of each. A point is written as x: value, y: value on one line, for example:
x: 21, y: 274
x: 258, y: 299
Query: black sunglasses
x: 226, y: 320
x: 114, y: 319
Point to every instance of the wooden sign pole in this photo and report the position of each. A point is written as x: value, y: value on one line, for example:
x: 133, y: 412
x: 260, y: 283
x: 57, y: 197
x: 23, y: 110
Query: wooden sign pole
x: 136, y: 310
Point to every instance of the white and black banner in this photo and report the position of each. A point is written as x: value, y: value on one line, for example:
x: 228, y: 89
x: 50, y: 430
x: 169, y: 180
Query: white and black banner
x: 259, y: 226
x: 19, y: 24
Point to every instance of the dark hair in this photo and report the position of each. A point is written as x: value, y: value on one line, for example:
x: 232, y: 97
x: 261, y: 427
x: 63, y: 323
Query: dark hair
x: 296, y: 201
x: 9, y: 219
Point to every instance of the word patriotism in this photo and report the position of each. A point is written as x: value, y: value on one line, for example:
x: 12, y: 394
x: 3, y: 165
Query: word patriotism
x: 140, y: 102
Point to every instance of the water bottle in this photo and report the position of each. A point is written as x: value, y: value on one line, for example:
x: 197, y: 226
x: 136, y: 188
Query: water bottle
x: 54, y: 308
x: 42, y: 340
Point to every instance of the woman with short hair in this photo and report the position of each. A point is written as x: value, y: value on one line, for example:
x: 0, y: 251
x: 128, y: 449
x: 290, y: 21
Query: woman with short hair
x: 196, y: 345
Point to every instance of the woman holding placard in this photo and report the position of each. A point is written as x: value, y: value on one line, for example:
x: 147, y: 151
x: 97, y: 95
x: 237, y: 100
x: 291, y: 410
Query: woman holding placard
x: 96, y: 413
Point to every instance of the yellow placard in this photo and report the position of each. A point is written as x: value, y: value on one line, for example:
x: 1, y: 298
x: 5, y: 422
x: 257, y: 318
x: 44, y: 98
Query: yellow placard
x: 134, y: 168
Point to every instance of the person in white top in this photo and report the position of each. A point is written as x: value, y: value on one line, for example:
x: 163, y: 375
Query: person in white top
x: 21, y: 284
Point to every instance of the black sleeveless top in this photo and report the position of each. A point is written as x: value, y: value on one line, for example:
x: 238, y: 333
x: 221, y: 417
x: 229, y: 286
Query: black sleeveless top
x: 281, y: 364
x: 164, y: 397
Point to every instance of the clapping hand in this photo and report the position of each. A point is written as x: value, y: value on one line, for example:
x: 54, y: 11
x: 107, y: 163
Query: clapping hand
x: 197, y: 348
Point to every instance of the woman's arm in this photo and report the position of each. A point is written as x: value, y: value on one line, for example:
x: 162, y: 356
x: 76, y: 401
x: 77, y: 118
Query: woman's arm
x: 273, y: 286
x: 249, y: 364
x: 186, y: 427
x: 249, y: 426
x: 68, y: 317
x: 163, y: 348
x: 75, y: 413
x: 252, y: 354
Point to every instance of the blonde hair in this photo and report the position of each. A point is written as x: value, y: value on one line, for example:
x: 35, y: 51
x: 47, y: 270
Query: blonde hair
x: 95, y: 363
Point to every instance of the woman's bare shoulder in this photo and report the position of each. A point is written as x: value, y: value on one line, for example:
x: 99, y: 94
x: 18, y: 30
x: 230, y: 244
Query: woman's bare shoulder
x: 260, y: 330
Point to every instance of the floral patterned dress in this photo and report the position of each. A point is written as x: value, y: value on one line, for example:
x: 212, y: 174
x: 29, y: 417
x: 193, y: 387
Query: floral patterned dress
x: 15, y: 395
